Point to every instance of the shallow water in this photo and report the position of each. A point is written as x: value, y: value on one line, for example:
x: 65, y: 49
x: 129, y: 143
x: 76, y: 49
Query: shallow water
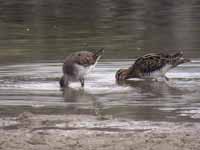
x: 34, y: 87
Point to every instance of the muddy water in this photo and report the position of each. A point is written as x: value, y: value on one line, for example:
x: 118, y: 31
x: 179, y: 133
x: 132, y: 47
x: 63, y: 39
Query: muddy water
x: 34, y: 87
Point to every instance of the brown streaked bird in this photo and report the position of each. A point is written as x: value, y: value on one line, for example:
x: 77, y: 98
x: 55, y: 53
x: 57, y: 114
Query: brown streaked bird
x: 153, y: 65
x: 77, y: 65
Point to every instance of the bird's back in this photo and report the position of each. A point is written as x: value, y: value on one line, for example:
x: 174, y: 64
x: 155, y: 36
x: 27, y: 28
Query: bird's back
x: 153, y: 65
x: 150, y: 63
x: 80, y: 63
x: 156, y: 62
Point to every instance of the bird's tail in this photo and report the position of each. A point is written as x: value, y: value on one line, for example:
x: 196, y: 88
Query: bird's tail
x: 178, y: 55
x: 178, y: 59
x: 99, y: 52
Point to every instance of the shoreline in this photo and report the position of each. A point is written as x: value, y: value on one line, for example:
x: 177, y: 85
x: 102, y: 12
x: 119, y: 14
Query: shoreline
x: 85, y: 132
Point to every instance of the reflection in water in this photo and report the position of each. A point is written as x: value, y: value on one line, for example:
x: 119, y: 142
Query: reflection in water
x: 154, y: 88
x: 80, y: 96
x: 155, y: 94
x: 77, y: 95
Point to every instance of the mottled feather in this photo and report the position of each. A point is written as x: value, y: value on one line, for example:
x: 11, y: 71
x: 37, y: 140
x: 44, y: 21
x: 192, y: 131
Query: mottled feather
x: 151, y: 65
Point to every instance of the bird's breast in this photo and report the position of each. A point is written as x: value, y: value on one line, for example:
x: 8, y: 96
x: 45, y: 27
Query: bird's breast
x: 82, y: 71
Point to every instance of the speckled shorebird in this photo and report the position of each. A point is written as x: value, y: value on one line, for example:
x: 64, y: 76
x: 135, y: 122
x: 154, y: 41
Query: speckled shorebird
x: 77, y: 65
x: 153, y: 65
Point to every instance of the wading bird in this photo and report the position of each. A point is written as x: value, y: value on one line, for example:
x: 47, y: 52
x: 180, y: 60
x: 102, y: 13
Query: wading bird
x: 153, y: 65
x: 77, y: 65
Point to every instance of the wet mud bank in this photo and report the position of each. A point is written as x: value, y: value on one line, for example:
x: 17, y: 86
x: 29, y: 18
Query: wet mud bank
x: 85, y: 132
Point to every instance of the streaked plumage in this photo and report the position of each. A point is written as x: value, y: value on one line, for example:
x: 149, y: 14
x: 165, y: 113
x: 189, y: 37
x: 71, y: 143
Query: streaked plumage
x: 152, y: 65
x: 77, y: 65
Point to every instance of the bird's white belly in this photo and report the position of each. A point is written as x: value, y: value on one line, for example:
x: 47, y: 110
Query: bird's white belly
x: 159, y: 73
x: 83, y: 71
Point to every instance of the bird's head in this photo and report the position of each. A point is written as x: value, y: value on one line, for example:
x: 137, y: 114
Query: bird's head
x: 122, y: 74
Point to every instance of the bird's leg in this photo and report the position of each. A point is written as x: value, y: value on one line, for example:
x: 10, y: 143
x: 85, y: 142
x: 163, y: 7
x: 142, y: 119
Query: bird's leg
x: 82, y: 82
x: 61, y: 82
x: 66, y: 81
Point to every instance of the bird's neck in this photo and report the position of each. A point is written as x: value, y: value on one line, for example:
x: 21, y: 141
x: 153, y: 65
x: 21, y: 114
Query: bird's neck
x: 132, y: 72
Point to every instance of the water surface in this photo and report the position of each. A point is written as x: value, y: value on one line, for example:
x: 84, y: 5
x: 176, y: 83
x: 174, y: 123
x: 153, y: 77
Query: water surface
x: 34, y: 87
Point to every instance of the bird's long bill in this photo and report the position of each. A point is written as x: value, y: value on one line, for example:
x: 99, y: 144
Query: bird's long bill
x: 99, y: 52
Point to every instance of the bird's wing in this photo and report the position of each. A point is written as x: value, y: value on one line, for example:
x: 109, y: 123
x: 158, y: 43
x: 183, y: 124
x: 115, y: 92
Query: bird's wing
x: 150, y: 62
x: 85, y: 58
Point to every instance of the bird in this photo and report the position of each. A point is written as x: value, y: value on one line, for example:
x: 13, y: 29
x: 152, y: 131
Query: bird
x: 152, y: 65
x: 77, y: 65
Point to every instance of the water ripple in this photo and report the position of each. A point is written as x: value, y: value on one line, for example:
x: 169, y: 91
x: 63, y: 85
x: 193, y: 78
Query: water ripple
x: 36, y: 85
